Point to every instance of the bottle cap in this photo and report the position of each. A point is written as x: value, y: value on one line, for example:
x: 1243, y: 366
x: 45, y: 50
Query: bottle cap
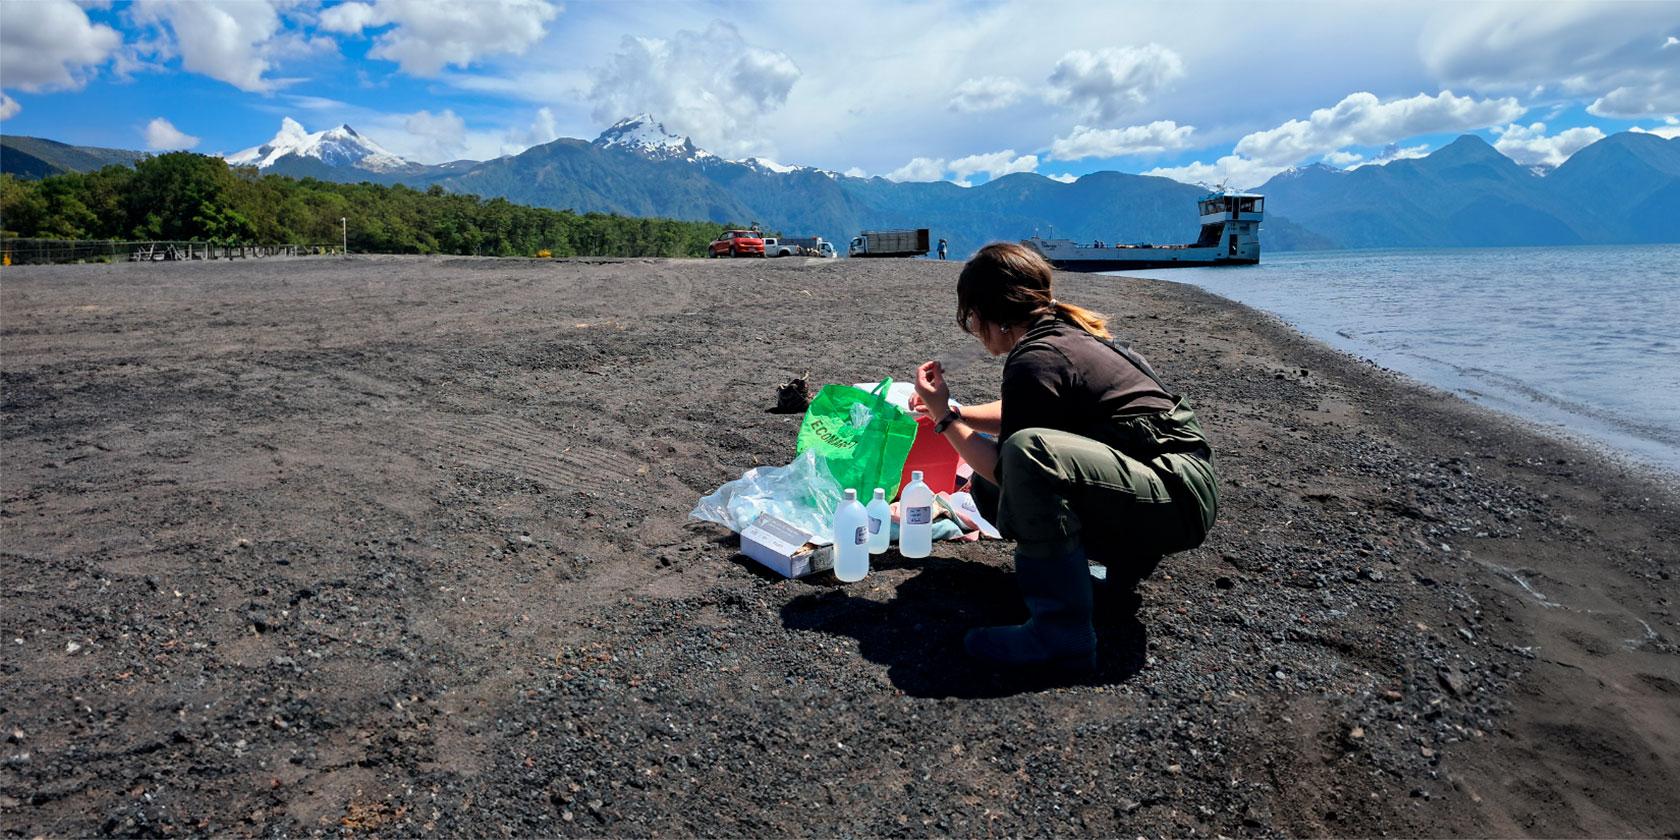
x: 880, y: 493
x: 851, y: 495
x: 915, y: 475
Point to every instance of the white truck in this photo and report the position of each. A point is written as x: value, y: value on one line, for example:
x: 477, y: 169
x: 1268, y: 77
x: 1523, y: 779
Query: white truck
x: 890, y: 243
x: 798, y: 246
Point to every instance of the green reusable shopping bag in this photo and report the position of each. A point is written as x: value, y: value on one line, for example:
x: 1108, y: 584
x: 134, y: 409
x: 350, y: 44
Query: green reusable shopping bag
x: 864, y: 438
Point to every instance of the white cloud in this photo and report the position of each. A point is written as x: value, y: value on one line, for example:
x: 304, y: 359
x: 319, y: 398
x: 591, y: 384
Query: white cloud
x: 145, y: 52
x: 1361, y: 119
x: 987, y: 93
x: 1660, y: 96
x: 992, y: 165
x: 1084, y: 142
x: 1613, y: 53
x: 229, y: 41
x: 711, y: 86
x: 1065, y: 177
x: 765, y: 76
x: 543, y: 129
x: 540, y: 86
x: 1672, y: 41
x: 318, y: 103
x: 1394, y: 152
x: 162, y: 135
x: 1107, y: 84
x: 296, y: 46
x: 426, y: 36
x: 442, y: 135
x: 1343, y: 159
x: 1668, y: 132
x: 350, y: 18
x: 1233, y: 171
x: 855, y: 172
x: 50, y: 44
x: 9, y: 107
x: 1530, y: 146
x: 919, y: 169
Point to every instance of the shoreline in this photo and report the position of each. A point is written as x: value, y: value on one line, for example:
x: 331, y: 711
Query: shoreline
x: 401, y: 545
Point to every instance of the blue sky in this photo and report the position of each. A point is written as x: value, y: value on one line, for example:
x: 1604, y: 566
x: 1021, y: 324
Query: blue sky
x: 963, y: 91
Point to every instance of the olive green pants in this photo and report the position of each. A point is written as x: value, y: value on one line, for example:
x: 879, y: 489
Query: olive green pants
x: 1059, y: 490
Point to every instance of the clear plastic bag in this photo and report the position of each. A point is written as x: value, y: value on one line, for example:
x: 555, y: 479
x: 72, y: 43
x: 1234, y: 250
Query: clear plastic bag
x: 802, y: 494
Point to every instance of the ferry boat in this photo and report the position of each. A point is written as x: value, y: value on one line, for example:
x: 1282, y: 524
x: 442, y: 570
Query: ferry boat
x: 1230, y: 236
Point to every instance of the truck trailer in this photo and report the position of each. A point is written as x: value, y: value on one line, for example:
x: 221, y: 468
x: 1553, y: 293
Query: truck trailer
x: 890, y: 243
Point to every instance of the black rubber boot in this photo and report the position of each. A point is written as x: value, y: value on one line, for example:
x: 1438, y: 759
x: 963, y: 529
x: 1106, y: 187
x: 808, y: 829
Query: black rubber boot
x: 1057, y: 588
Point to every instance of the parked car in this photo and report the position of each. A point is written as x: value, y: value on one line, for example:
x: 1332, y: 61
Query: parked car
x: 737, y: 243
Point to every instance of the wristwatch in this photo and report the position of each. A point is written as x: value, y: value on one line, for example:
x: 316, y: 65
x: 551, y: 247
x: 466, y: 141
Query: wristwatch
x: 950, y: 417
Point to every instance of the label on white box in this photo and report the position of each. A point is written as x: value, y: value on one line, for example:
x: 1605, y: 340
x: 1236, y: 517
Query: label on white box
x: 773, y: 533
x: 785, y: 548
x: 918, y: 515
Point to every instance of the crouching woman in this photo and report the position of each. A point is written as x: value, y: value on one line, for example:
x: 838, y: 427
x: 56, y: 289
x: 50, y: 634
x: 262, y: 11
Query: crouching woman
x: 1087, y: 455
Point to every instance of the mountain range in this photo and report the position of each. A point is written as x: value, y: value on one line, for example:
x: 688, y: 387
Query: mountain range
x: 36, y: 157
x: 1620, y: 189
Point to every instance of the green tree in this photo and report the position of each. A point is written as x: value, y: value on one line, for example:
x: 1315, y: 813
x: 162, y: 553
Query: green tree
x: 187, y: 196
x: 181, y: 195
x: 21, y: 207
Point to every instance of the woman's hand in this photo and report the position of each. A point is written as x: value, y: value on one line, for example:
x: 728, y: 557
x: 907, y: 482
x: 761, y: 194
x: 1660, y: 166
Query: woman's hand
x: 932, y: 395
x: 916, y: 404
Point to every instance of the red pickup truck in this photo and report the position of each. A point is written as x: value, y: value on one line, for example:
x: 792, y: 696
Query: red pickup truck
x: 737, y: 243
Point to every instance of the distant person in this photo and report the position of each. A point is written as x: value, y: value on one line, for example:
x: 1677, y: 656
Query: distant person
x: 942, y: 249
x: 1092, y: 456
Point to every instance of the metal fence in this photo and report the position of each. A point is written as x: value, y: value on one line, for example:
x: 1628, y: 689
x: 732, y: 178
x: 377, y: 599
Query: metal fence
x: 17, y: 251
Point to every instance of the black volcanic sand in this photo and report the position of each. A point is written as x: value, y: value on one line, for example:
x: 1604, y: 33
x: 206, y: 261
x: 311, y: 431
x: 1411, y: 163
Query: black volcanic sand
x: 401, y: 546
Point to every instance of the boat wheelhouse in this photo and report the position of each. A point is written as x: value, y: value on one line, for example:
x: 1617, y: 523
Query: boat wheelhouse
x: 1230, y: 236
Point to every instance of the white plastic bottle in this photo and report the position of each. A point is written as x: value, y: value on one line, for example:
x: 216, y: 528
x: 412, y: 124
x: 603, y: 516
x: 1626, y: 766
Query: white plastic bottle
x: 915, y: 527
x: 880, y: 522
x: 851, y: 540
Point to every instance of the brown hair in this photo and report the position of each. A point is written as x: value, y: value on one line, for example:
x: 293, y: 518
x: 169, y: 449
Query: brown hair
x: 1009, y: 284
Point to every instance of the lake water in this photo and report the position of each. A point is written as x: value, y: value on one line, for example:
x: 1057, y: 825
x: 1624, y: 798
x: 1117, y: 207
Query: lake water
x: 1584, y: 339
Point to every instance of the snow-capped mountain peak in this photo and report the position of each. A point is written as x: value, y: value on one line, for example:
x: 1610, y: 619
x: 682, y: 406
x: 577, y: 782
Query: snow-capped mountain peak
x: 647, y: 137
x: 340, y: 146
x: 769, y: 166
x: 1311, y: 169
x: 766, y: 166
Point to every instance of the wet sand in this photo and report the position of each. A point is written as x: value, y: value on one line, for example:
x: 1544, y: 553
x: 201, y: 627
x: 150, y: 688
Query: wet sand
x: 400, y: 546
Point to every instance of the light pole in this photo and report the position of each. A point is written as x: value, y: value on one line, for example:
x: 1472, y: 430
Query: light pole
x: 344, y: 234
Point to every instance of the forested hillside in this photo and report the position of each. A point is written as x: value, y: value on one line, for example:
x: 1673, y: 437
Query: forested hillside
x: 185, y: 196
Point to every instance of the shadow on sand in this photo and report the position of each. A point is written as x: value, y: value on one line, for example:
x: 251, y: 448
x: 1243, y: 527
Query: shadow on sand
x: 918, y: 634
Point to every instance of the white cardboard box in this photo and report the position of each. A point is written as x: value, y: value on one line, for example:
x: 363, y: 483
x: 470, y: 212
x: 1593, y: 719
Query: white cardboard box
x: 785, y: 548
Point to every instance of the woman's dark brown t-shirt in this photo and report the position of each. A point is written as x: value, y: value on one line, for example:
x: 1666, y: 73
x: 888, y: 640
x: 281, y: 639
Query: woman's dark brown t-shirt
x: 1061, y: 377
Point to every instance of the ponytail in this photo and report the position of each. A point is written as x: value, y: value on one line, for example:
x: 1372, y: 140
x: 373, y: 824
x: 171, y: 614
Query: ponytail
x: 1008, y: 284
x: 1082, y: 318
